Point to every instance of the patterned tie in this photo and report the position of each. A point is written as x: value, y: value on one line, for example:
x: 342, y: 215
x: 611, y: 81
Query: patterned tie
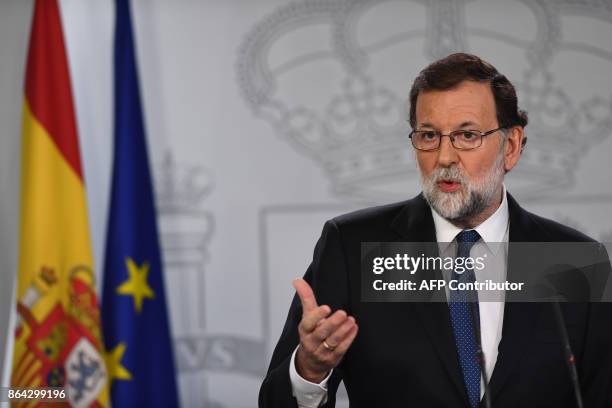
x: 461, y: 320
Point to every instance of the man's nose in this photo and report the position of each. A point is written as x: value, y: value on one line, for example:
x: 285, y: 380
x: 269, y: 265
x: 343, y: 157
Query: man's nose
x: 447, y: 154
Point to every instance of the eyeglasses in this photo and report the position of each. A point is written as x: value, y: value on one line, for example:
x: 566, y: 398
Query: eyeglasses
x: 427, y: 140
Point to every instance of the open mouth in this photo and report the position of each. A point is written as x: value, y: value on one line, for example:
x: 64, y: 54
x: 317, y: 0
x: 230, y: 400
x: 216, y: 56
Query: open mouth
x: 449, y: 186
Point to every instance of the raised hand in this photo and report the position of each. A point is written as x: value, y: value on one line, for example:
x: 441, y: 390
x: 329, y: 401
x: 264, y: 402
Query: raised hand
x: 324, y: 339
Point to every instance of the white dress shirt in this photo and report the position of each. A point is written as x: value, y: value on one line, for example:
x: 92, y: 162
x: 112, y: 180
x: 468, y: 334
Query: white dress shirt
x: 494, y: 233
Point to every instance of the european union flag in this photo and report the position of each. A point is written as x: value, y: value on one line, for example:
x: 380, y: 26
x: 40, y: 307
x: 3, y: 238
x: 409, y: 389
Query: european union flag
x: 135, y: 322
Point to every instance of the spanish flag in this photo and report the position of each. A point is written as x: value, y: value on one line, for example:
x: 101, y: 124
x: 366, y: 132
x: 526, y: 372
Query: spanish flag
x: 57, y: 339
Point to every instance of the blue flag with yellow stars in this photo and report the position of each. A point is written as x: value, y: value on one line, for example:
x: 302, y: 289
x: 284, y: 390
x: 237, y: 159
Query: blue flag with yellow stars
x: 134, y: 318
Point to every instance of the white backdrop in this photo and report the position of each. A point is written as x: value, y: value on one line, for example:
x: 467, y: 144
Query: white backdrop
x: 265, y: 118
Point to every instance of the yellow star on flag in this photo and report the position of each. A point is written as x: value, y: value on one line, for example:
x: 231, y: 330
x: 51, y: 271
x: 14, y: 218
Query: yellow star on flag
x: 136, y: 285
x: 113, y: 364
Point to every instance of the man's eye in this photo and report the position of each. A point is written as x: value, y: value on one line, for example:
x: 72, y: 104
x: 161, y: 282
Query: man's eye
x: 468, y: 135
x: 428, y: 135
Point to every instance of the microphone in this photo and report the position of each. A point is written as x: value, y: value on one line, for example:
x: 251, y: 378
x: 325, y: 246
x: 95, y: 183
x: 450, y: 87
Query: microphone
x: 570, y: 360
x: 555, y: 287
x: 479, y: 352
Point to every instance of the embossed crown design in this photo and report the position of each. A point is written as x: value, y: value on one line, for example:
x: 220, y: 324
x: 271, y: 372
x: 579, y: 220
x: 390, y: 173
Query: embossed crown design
x: 332, y: 78
x: 180, y: 188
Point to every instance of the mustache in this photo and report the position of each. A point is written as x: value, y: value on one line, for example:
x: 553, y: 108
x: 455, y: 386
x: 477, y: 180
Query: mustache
x: 449, y: 174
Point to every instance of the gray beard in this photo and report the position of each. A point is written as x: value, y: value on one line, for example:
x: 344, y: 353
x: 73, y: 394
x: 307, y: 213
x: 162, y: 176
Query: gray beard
x: 471, y: 199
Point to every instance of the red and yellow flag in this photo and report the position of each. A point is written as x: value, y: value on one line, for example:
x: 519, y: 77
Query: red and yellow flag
x: 57, y: 339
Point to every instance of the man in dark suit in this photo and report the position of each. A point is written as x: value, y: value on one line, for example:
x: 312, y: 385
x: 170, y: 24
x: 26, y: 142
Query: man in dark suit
x: 468, y: 133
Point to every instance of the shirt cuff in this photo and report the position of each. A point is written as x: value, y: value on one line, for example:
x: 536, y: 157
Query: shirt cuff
x: 307, y: 394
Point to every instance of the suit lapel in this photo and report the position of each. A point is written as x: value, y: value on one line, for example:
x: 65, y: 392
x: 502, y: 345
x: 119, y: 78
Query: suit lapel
x: 519, y: 318
x: 415, y: 224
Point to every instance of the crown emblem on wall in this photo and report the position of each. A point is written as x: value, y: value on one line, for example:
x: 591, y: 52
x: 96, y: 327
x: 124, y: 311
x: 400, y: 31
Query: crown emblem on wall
x: 332, y: 78
x: 186, y: 226
x: 180, y: 188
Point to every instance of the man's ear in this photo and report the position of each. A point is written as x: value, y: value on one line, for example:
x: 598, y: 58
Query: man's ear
x: 514, y: 146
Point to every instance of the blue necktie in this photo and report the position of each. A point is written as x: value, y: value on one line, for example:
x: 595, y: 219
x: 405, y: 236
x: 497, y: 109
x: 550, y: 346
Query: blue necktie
x: 461, y: 320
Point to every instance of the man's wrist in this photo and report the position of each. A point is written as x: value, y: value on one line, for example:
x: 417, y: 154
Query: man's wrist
x: 307, y: 394
x: 310, y: 375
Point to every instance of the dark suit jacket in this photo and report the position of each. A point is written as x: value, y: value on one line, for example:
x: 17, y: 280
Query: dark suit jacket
x: 404, y: 354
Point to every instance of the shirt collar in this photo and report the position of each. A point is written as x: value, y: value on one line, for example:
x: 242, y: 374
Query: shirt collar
x: 492, y: 230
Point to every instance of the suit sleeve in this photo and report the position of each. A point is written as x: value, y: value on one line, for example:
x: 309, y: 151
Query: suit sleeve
x: 327, y: 275
x: 596, y: 368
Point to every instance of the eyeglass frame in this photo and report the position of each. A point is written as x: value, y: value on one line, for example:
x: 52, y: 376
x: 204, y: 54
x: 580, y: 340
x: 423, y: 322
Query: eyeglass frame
x: 452, y: 139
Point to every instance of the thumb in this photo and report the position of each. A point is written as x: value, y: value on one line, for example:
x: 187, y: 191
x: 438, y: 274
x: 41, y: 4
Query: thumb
x: 307, y: 297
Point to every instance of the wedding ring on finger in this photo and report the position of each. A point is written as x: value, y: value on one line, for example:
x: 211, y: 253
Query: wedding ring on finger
x: 328, y: 347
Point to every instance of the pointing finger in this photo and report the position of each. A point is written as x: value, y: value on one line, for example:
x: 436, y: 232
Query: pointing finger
x: 330, y: 325
x: 314, y: 318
